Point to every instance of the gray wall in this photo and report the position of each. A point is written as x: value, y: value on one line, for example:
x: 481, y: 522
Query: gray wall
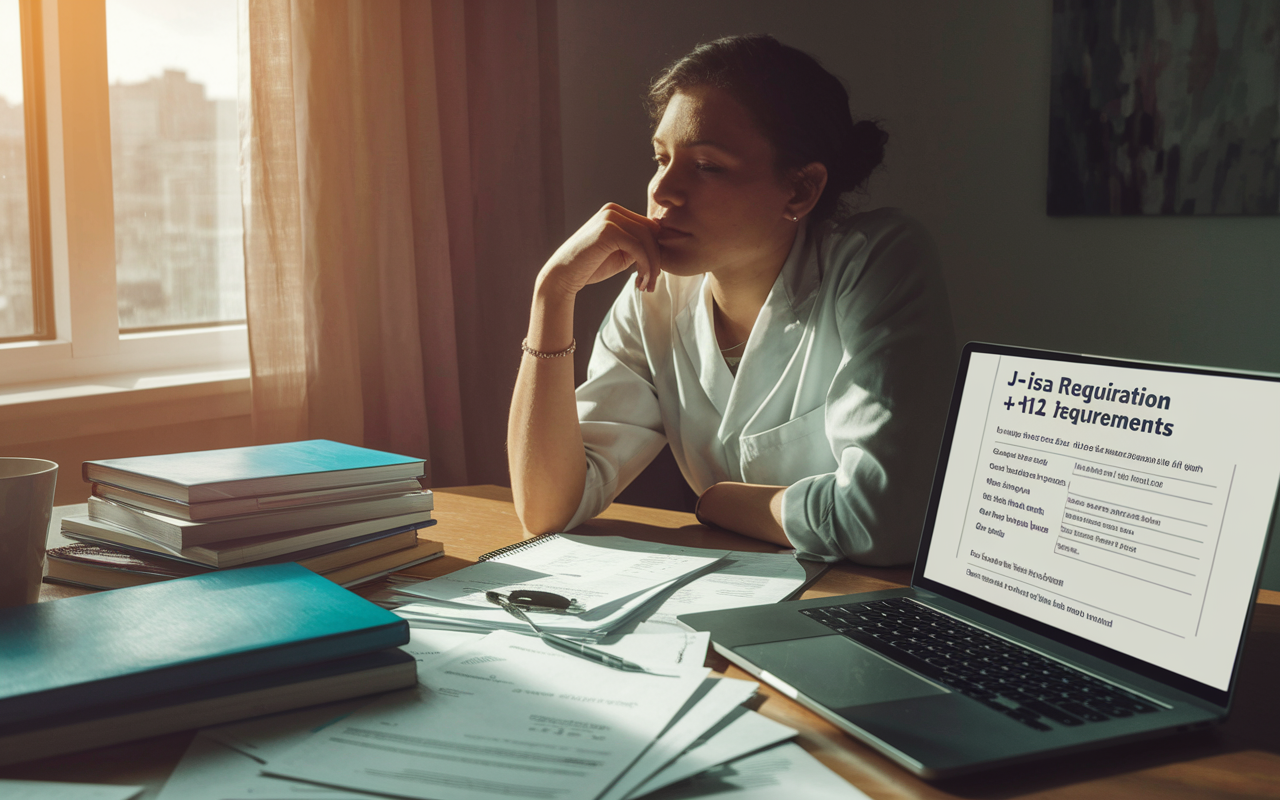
x: 963, y: 89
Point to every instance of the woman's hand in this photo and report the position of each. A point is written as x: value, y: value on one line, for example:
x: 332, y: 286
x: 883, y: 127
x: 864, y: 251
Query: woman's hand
x: 610, y: 242
x: 544, y: 443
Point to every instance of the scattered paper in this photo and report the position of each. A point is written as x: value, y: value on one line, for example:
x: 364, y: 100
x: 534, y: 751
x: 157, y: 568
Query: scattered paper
x: 705, y: 709
x: 427, y: 644
x: 739, y: 734
x: 662, y: 649
x: 52, y: 790
x: 616, y: 580
x: 785, y: 771
x: 267, y: 738
x: 746, y: 579
x: 211, y: 771
x: 507, y: 716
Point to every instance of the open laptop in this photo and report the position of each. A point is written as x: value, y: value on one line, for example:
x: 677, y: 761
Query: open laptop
x: 1087, y: 569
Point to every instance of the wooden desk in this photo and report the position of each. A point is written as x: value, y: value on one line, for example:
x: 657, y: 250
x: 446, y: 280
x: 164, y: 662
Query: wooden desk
x: 1238, y: 759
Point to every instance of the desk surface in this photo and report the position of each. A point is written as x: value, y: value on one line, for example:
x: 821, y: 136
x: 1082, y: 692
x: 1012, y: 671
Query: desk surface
x: 1238, y: 759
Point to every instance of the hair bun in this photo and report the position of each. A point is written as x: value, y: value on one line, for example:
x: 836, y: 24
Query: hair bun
x: 864, y: 151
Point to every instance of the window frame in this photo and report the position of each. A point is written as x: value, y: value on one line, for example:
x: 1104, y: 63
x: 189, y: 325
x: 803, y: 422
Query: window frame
x: 73, y: 224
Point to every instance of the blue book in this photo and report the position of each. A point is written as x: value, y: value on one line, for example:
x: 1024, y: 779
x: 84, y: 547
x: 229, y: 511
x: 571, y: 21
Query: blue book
x: 208, y: 475
x: 80, y: 653
x: 210, y: 704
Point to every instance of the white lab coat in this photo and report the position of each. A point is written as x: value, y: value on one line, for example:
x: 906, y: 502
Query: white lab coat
x: 840, y: 394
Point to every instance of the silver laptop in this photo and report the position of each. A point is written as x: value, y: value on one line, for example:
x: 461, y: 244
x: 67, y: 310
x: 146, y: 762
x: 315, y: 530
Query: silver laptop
x: 1088, y: 565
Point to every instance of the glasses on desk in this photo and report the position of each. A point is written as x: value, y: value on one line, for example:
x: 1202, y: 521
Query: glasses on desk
x: 565, y: 645
x: 543, y: 602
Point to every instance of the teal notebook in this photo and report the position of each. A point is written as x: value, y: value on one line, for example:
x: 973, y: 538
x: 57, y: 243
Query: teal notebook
x: 207, y: 475
x: 79, y: 653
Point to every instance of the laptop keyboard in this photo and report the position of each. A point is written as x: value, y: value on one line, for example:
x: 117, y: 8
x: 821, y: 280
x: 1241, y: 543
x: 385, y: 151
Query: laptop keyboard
x: 1011, y: 679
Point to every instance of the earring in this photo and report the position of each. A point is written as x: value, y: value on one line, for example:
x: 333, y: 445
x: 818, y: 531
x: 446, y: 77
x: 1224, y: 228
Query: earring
x: 795, y: 218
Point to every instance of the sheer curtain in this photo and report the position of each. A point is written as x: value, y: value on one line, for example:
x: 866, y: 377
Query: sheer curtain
x: 400, y: 173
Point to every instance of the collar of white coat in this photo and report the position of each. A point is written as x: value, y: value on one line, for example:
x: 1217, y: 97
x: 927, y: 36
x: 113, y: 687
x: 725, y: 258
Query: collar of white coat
x: 772, y: 344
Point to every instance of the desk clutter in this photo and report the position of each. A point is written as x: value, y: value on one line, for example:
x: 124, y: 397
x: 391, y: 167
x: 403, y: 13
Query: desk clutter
x: 348, y: 513
x: 230, y: 617
x: 499, y: 713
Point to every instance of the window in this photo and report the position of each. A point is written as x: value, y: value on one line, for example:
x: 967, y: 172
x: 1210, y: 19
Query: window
x: 174, y: 162
x: 130, y: 260
x: 23, y: 292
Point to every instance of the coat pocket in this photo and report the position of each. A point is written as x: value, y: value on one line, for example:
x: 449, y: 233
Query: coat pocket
x: 793, y: 450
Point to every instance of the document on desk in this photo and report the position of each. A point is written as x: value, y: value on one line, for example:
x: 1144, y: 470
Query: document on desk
x: 738, y: 735
x: 612, y: 577
x: 711, y: 704
x: 267, y: 738
x: 782, y: 771
x: 54, y: 790
x: 507, y: 716
x: 211, y: 771
x: 747, y: 579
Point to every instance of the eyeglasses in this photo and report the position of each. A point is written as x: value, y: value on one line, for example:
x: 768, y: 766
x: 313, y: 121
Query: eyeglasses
x: 543, y: 602
x: 565, y: 645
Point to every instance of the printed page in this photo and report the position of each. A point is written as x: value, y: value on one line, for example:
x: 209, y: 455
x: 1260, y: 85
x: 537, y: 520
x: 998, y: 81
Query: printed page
x: 595, y: 570
x: 209, y: 770
x: 612, y: 578
x: 507, y: 717
x: 785, y: 771
x: 1127, y: 506
x: 736, y: 736
x: 52, y: 790
x: 747, y: 579
x: 717, y: 698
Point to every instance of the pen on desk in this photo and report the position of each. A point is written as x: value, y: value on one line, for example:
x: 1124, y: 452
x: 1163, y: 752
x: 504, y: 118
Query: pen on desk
x: 566, y: 645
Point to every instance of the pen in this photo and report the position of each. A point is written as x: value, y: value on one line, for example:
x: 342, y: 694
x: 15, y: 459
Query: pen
x: 565, y: 645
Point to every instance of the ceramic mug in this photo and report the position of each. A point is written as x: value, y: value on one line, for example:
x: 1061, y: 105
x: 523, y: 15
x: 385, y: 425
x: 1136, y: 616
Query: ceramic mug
x: 26, y: 503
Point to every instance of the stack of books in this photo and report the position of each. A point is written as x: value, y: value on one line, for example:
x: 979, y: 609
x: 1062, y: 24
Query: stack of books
x: 348, y: 513
x: 115, y: 666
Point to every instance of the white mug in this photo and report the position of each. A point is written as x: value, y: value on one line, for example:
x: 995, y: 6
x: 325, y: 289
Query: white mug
x: 26, y: 503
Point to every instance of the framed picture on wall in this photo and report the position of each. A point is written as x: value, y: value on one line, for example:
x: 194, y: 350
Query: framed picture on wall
x: 1165, y: 107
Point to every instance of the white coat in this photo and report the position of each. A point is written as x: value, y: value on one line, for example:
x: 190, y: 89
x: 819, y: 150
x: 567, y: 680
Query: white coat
x: 840, y: 394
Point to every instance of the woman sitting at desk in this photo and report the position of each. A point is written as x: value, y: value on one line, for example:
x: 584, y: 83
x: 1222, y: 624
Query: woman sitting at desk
x: 797, y: 359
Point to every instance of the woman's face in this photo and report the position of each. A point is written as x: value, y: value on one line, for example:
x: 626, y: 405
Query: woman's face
x: 717, y: 194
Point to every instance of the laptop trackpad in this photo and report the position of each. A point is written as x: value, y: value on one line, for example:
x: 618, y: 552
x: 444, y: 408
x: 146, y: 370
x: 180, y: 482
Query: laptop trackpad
x: 837, y: 672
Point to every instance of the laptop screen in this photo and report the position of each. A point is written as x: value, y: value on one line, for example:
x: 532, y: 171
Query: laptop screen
x: 1122, y: 502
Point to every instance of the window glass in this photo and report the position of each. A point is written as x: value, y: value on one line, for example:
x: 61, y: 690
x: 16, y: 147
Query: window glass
x: 179, y: 243
x: 16, y: 318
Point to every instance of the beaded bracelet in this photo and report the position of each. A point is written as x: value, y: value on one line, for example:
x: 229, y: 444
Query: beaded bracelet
x: 573, y: 345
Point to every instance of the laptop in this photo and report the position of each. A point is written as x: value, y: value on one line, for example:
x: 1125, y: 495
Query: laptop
x: 1089, y: 561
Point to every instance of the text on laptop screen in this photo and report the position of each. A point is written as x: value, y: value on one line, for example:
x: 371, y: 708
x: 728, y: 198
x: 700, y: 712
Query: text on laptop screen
x: 1128, y: 505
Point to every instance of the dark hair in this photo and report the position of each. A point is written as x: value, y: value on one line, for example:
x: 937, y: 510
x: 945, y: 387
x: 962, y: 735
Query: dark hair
x: 802, y: 109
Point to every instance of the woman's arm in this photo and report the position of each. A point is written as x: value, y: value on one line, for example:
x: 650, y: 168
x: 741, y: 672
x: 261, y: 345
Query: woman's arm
x: 882, y: 416
x: 544, y: 442
x: 886, y: 405
x: 745, y: 508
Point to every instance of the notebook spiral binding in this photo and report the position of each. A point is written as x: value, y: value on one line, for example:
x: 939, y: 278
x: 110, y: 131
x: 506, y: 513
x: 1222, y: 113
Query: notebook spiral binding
x: 518, y: 546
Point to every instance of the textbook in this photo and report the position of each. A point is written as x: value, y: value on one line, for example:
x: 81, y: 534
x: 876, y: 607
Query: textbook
x: 179, y: 533
x: 294, y: 544
x: 266, y: 469
x: 237, y: 506
x: 210, y: 704
x: 78, y: 653
x: 110, y: 567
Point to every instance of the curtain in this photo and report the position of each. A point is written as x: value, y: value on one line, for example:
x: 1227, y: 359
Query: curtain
x: 401, y: 184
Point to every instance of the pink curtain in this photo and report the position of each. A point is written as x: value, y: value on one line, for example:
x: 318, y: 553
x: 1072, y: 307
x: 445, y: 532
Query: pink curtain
x: 401, y: 181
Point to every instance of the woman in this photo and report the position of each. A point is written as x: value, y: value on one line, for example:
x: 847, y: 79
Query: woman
x: 795, y: 358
